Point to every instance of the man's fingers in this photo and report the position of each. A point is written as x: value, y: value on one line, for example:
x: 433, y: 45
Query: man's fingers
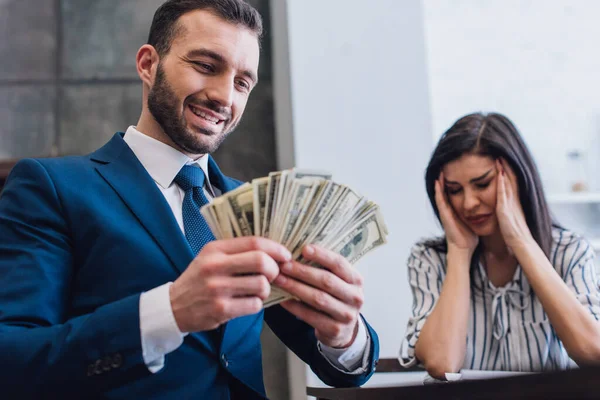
x: 314, y: 318
x: 317, y: 299
x: 240, y: 306
x: 250, y: 243
x: 251, y: 262
x: 334, y: 262
x: 325, y: 281
x: 244, y: 286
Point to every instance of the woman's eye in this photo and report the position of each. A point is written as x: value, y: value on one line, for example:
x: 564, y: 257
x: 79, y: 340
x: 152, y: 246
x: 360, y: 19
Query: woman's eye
x: 453, y: 191
x: 483, y: 185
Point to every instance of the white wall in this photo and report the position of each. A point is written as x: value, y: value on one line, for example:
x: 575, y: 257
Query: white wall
x: 537, y: 61
x: 351, y: 97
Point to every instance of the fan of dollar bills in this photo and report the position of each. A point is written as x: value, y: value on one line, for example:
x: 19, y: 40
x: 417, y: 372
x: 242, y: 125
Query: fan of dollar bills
x: 296, y: 207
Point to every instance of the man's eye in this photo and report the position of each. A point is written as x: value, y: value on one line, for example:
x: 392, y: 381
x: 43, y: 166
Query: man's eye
x: 243, y: 84
x: 203, y: 66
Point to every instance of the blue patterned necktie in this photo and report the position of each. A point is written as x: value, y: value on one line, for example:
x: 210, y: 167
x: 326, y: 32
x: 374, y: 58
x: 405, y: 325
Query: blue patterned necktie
x: 197, y: 232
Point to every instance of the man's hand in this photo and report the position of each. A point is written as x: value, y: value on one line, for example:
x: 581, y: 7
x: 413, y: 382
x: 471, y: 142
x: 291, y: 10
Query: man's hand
x: 227, y: 279
x: 330, y: 298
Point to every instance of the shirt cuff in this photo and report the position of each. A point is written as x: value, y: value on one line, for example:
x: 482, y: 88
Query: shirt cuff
x: 159, y: 331
x: 353, y: 359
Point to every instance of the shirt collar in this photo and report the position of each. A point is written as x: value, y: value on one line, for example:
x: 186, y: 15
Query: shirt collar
x: 162, y: 161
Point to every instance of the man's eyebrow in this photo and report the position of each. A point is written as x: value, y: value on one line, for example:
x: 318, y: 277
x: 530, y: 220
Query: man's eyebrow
x: 472, y: 180
x: 220, y: 59
x: 205, y: 53
x: 250, y: 75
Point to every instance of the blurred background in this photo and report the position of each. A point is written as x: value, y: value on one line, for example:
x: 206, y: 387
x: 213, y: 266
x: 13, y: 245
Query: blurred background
x: 361, y: 90
x: 68, y: 81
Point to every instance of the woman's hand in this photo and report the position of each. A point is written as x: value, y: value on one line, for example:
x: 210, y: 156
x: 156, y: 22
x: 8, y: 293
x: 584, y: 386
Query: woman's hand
x: 509, y: 211
x: 458, y: 235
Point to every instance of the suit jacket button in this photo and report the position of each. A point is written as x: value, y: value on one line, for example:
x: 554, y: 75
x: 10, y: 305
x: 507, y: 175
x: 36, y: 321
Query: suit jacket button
x: 106, y: 364
x: 224, y: 360
x: 117, y: 361
x: 98, y: 367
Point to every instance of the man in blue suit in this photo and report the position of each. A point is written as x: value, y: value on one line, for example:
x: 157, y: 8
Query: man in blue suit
x: 111, y: 284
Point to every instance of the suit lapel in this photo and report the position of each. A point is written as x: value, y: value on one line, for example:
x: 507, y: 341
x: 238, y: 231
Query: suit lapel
x: 219, y: 180
x: 121, y: 169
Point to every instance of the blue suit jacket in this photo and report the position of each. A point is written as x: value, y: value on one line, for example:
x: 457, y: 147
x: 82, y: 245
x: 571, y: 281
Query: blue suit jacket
x: 80, y: 239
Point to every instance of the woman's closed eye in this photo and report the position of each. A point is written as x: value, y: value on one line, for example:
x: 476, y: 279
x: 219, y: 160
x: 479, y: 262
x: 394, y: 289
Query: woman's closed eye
x: 453, y: 190
x: 483, y: 185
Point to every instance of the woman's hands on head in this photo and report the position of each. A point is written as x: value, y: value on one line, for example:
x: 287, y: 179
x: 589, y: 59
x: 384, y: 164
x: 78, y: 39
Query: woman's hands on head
x: 511, y: 218
x: 458, y: 235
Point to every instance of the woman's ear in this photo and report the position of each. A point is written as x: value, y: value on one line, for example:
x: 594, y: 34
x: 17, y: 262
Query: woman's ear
x: 147, y: 61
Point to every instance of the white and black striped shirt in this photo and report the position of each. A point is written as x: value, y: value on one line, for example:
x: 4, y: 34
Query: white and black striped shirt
x: 508, y: 328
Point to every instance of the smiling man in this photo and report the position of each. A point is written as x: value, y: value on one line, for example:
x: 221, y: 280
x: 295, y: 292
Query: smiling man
x: 111, y: 283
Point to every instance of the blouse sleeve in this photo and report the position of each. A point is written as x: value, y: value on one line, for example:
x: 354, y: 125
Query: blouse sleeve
x: 426, y: 271
x: 579, y: 272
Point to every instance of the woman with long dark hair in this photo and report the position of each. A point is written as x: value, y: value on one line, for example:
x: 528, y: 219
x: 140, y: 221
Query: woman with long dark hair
x: 506, y: 288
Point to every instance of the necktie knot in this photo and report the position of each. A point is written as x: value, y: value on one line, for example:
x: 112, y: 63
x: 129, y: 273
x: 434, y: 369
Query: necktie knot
x: 190, y: 177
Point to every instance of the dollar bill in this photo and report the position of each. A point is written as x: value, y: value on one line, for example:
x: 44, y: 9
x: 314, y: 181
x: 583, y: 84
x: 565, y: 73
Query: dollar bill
x: 223, y: 216
x: 299, y: 205
x: 259, y: 193
x: 364, y: 236
x: 328, y: 198
x: 286, y: 192
x: 211, y: 221
x: 343, y: 204
x: 296, y: 207
x: 241, y: 209
x: 323, y: 192
x: 271, y: 201
x: 276, y: 296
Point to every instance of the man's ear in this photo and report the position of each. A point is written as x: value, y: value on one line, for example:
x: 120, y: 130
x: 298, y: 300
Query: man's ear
x: 147, y: 61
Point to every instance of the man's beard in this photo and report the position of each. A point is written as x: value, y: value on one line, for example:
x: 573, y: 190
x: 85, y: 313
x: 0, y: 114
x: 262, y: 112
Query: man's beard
x: 163, y: 105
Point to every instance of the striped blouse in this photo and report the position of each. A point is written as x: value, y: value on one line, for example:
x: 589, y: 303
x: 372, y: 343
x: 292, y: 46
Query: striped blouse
x: 508, y: 328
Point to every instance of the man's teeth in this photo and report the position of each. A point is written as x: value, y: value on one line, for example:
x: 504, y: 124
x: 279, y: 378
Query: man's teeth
x: 204, y: 115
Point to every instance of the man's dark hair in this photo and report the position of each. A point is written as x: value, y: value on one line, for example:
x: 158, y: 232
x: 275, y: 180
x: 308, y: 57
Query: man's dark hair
x: 165, y: 24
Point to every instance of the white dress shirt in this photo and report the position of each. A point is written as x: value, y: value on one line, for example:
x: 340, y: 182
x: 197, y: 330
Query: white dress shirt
x: 159, y: 332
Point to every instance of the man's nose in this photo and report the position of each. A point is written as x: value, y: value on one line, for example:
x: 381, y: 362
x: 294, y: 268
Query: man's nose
x: 221, y: 91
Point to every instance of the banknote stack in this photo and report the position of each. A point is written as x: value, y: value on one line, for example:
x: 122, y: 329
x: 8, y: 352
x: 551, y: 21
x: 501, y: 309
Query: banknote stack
x: 297, y: 207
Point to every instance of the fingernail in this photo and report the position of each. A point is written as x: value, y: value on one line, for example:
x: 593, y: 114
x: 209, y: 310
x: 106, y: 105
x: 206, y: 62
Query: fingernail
x: 310, y: 250
x: 280, y: 280
x: 286, y: 254
x: 286, y: 266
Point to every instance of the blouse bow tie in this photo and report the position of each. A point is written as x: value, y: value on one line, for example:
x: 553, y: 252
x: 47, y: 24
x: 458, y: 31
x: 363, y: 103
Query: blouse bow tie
x: 502, y: 300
